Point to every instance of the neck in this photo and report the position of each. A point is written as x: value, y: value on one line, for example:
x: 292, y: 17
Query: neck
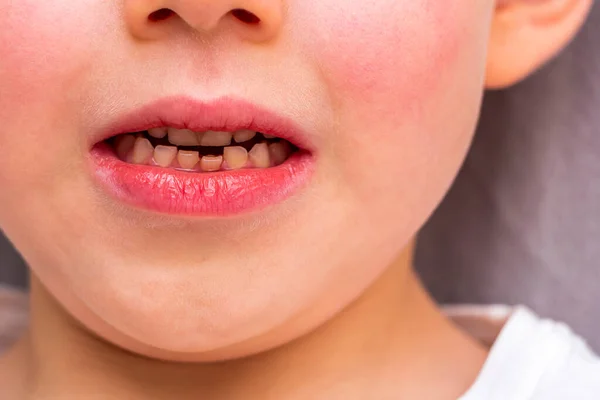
x: 391, y: 342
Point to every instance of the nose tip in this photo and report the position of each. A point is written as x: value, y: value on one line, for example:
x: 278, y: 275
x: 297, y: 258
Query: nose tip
x: 256, y: 20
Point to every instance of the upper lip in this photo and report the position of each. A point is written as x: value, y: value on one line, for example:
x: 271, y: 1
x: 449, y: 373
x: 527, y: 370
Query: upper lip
x: 225, y: 114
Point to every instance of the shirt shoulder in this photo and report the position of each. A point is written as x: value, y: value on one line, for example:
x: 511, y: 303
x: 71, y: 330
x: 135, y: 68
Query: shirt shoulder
x: 535, y: 359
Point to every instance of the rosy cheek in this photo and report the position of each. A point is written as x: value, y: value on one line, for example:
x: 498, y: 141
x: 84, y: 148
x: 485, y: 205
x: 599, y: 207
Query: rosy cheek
x: 45, y: 51
x: 405, y: 77
x: 42, y: 44
x: 29, y: 44
x: 388, y: 53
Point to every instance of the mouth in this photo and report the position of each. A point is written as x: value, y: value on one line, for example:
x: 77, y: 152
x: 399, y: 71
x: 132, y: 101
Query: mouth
x: 184, y: 157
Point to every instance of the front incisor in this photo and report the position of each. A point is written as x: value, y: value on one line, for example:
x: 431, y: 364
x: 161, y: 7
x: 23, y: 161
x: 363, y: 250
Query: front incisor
x: 183, y: 137
x: 215, y: 139
x: 188, y: 159
x: 211, y: 163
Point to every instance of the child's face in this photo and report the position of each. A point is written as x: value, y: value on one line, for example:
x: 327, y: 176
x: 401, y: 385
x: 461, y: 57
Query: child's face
x: 387, y: 91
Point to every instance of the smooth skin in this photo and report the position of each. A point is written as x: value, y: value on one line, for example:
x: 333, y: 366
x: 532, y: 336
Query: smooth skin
x: 314, y: 298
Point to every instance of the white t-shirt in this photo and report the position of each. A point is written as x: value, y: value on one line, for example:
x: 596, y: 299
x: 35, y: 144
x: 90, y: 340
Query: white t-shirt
x: 530, y: 358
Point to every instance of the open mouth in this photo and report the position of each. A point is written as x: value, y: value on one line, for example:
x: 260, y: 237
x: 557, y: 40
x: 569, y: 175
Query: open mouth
x: 208, y: 151
x: 185, y: 157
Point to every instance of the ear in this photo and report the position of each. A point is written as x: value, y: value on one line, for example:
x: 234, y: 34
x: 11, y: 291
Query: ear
x: 527, y: 33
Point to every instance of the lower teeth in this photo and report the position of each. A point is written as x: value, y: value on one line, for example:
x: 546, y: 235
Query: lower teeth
x: 138, y: 149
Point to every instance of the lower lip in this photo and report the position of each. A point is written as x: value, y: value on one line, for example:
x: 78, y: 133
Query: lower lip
x: 224, y: 193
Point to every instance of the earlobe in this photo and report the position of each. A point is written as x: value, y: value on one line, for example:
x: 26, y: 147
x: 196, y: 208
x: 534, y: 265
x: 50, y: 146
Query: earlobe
x: 527, y: 33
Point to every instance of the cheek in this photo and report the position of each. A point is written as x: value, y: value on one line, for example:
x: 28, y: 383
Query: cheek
x: 46, y: 55
x: 385, y: 46
x: 388, y: 53
x: 46, y: 51
x: 406, y: 78
x: 40, y: 44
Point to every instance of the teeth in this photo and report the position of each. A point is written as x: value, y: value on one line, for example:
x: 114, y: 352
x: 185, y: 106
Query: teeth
x: 243, y: 135
x: 183, y: 137
x: 158, y: 133
x: 142, y: 151
x: 188, y: 159
x: 268, y: 136
x: 236, y: 156
x: 259, y: 156
x: 211, y: 163
x: 139, y: 150
x: 164, y: 155
x: 123, y: 145
x: 215, y: 138
x: 279, y: 151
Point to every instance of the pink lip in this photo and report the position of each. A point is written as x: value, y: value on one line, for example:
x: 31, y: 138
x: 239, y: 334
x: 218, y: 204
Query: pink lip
x: 227, y: 193
x: 225, y: 114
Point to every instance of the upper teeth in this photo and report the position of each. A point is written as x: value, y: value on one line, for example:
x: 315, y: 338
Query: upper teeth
x: 214, y: 138
x: 186, y: 137
x: 243, y: 136
x: 183, y: 137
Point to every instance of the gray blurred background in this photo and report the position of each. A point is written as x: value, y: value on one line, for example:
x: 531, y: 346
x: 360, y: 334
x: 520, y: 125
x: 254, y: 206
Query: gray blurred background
x: 522, y: 223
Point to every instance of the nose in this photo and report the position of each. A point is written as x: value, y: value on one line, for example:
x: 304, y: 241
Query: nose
x: 254, y: 20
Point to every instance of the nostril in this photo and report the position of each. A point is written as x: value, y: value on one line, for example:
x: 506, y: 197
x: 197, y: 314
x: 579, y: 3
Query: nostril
x: 245, y: 16
x: 160, y: 15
